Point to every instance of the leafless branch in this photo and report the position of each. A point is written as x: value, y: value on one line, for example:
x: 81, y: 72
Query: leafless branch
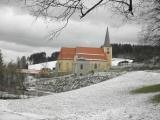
x: 65, y: 9
x: 83, y: 14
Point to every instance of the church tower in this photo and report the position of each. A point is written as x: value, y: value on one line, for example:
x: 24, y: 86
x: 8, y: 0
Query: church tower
x: 108, y: 48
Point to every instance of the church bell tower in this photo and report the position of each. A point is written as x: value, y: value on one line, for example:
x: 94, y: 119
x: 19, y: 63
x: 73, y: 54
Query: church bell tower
x: 108, y: 48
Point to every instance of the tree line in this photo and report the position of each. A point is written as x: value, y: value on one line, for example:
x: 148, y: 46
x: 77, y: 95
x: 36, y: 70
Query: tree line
x: 139, y: 53
x: 41, y: 57
x: 10, y: 79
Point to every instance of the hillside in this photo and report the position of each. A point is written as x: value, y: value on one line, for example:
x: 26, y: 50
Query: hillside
x: 109, y: 100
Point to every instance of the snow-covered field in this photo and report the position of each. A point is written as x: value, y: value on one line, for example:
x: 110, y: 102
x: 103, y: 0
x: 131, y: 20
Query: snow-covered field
x: 39, y: 66
x: 109, y: 100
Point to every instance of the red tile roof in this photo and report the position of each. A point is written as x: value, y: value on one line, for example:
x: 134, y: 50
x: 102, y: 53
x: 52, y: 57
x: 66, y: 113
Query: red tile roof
x: 67, y: 53
x: 89, y: 50
x: 87, y: 53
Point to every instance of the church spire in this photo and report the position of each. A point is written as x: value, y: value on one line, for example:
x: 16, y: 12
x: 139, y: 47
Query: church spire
x: 107, y: 39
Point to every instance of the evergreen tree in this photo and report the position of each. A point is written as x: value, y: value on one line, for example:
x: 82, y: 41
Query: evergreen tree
x: 18, y: 63
x: 1, y: 68
x: 54, y: 56
x: 139, y: 53
x: 23, y: 62
x: 38, y: 58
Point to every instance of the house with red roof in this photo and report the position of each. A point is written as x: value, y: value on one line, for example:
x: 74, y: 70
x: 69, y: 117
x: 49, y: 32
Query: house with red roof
x: 85, y: 60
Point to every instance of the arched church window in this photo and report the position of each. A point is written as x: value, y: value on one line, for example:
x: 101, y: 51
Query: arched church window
x: 95, y: 66
x: 81, y: 66
x: 107, y: 50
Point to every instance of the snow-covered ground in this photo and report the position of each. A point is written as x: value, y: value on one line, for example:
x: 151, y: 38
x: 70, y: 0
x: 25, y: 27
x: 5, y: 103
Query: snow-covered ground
x: 39, y: 66
x: 109, y: 100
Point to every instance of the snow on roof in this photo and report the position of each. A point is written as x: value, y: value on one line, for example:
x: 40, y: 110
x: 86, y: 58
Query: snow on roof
x: 116, y: 61
x: 39, y: 66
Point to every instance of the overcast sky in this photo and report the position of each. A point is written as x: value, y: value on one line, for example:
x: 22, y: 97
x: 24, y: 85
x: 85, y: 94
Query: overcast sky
x: 21, y: 34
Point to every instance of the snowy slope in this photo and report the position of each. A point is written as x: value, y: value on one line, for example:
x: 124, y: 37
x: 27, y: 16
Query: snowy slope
x: 39, y: 66
x: 109, y: 100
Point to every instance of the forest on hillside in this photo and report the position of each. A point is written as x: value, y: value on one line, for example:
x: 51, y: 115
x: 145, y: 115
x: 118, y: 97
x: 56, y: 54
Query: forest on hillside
x: 139, y: 53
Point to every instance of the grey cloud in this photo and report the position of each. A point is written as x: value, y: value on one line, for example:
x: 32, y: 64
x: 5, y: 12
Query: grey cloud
x: 11, y: 2
x: 11, y: 51
x: 15, y: 47
x: 23, y: 30
x: 20, y: 34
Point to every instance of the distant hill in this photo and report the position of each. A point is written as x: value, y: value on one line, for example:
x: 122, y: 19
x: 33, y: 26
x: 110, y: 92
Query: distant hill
x: 139, y: 53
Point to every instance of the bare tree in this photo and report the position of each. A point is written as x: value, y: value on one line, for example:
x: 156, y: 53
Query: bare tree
x: 151, y: 23
x: 63, y: 10
x: 1, y: 70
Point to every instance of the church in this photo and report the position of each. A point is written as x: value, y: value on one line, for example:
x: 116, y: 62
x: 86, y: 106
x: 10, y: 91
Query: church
x: 85, y: 60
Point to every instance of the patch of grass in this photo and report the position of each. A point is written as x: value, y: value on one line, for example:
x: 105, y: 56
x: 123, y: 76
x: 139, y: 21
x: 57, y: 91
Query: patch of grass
x: 156, y: 99
x: 147, y: 89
